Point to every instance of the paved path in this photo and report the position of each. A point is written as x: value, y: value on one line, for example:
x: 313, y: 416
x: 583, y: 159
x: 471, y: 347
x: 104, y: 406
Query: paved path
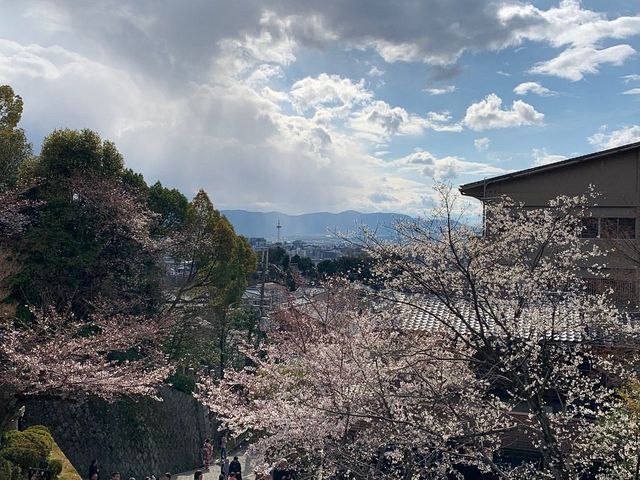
x: 214, y: 471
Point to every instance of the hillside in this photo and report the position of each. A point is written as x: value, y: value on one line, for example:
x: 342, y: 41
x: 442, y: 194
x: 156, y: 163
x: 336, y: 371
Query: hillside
x: 263, y: 224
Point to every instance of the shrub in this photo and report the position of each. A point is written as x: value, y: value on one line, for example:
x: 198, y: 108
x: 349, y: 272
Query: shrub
x: 5, y: 469
x: 44, y: 434
x: 55, y: 466
x: 26, y: 449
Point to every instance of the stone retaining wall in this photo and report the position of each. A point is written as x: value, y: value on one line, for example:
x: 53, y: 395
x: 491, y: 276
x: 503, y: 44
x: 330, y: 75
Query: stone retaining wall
x: 134, y: 437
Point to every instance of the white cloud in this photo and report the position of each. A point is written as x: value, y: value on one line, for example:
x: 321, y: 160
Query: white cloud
x: 488, y: 113
x: 444, y: 168
x: 378, y: 121
x: 481, y: 144
x: 632, y: 91
x: 574, y: 63
x: 441, y: 91
x: 542, y: 157
x: 264, y: 73
x: 604, y: 138
x: 375, y: 72
x: 533, y: 87
x: 329, y: 91
x: 634, y: 77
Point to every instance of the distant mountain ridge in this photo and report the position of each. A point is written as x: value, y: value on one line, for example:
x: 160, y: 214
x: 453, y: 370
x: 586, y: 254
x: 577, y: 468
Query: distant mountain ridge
x: 319, y: 224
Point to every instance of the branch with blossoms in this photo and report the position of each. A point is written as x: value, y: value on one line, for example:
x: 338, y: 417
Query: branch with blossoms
x: 478, y: 344
x: 337, y: 384
x: 56, y: 355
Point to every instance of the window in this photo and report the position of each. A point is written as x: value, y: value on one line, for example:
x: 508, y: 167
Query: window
x: 589, y: 227
x: 610, y: 227
x: 626, y: 228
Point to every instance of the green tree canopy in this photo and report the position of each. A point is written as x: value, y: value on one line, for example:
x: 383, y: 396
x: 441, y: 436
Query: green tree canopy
x: 90, y: 236
x: 14, y: 147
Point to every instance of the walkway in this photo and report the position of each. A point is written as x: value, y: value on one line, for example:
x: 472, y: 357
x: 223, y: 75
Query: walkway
x: 214, y: 471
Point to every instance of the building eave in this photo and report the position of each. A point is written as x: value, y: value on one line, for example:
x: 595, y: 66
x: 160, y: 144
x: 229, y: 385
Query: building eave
x: 477, y: 189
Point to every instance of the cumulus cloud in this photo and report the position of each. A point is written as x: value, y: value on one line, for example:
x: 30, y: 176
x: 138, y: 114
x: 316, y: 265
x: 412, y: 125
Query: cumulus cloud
x: 201, y: 95
x: 574, y: 63
x: 533, y: 87
x: 604, y: 138
x: 542, y: 157
x: 444, y: 168
x: 328, y: 90
x: 441, y: 91
x: 488, y: 113
x: 481, y: 144
x: 378, y: 121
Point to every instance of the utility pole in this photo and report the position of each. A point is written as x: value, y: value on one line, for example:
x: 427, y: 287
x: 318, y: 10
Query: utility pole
x: 265, y: 266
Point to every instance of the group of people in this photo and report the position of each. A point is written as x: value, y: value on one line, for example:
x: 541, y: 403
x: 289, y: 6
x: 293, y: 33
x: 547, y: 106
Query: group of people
x: 94, y: 473
x: 228, y: 470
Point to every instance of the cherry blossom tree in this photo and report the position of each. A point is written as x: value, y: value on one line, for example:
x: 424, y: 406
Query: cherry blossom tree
x: 57, y: 355
x: 52, y: 351
x: 477, y: 342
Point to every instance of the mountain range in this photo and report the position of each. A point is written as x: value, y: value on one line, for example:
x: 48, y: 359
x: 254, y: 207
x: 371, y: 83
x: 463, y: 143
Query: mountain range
x: 320, y: 224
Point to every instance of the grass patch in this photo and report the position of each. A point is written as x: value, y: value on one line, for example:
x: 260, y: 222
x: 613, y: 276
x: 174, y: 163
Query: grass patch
x: 68, y: 471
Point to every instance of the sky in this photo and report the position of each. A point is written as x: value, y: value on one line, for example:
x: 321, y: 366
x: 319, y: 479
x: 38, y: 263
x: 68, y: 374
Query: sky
x: 328, y: 105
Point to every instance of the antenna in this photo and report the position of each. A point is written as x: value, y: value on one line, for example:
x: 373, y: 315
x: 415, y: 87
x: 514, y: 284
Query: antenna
x: 278, y: 227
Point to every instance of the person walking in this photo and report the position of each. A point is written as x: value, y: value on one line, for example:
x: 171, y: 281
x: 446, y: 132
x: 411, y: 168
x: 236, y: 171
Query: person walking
x: 236, y: 468
x: 224, y: 468
x: 94, y: 470
x: 223, y: 446
x: 197, y: 475
x: 207, y: 454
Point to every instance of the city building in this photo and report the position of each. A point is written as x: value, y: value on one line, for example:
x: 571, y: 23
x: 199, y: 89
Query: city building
x: 613, y: 220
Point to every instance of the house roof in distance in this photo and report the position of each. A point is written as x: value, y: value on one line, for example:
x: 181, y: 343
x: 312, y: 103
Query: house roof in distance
x: 476, y: 189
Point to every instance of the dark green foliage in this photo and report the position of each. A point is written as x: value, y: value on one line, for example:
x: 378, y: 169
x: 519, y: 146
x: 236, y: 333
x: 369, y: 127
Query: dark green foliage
x: 82, y: 246
x: 182, y: 382
x: 43, y: 433
x: 26, y: 449
x: 10, y: 108
x: 66, y: 153
x: 356, y: 268
x: 5, y: 469
x: 14, y: 147
x: 304, y: 265
x: 171, y: 205
x: 55, y: 466
x: 134, y: 182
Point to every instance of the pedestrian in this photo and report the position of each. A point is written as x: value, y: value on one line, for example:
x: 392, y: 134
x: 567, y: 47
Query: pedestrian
x: 115, y: 476
x: 224, y: 468
x: 94, y: 477
x: 167, y: 476
x: 197, y: 475
x: 236, y: 468
x: 93, y: 469
x: 223, y: 446
x: 207, y: 454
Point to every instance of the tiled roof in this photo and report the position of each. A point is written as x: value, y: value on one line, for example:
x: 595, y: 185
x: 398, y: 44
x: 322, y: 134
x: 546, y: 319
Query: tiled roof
x: 430, y: 314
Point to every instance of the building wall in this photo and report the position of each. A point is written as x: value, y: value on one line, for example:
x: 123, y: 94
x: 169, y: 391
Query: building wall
x: 136, y: 438
x: 616, y: 177
x: 616, y: 180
